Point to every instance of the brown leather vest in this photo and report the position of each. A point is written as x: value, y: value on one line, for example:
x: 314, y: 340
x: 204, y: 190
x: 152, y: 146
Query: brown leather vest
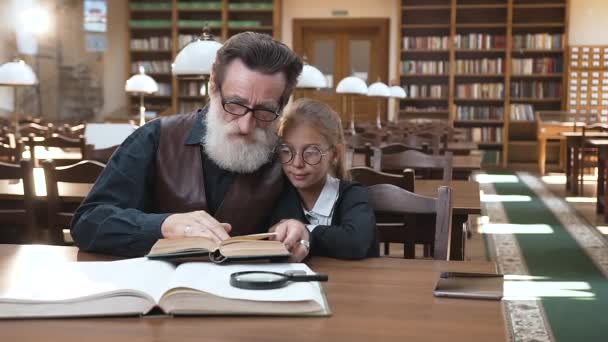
x: 180, y: 185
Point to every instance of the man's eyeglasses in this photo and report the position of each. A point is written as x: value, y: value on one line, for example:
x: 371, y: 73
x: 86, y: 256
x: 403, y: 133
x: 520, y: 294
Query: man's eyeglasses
x: 311, y: 155
x: 241, y: 110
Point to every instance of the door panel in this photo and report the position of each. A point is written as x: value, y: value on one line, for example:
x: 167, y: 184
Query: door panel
x: 341, y: 48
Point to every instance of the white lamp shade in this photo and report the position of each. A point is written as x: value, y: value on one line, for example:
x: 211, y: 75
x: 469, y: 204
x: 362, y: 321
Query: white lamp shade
x: 196, y: 58
x: 141, y: 83
x: 17, y: 73
x: 378, y: 89
x: 352, y: 85
x: 398, y: 92
x: 311, y: 77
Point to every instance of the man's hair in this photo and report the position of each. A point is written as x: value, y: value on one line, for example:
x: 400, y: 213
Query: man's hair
x: 259, y: 52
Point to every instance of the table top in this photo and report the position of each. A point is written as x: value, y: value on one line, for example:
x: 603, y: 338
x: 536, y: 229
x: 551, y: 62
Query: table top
x: 376, y: 299
x: 598, y: 142
x: 465, y: 194
x: 43, y: 153
x: 587, y: 134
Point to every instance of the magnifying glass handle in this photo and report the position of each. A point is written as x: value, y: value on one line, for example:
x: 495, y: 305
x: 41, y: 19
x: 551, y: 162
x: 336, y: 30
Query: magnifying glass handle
x: 311, y: 277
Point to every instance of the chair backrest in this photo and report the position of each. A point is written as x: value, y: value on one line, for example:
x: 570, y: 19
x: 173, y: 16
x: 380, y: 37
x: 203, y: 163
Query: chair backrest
x: 10, y: 154
x: 104, y: 154
x: 596, y: 127
x: 56, y: 140
x: 387, y: 198
x: 35, y: 129
x: 71, y: 131
x: 58, y: 213
x: 368, y: 177
x: 395, y: 162
x: 20, y: 213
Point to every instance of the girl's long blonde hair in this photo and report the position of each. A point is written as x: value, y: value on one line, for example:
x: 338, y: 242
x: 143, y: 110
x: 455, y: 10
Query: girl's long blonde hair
x: 327, y: 122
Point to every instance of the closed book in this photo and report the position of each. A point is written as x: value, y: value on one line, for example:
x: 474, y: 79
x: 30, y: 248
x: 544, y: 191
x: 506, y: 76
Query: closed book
x: 140, y: 286
x: 470, y: 285
x: 238, y: 248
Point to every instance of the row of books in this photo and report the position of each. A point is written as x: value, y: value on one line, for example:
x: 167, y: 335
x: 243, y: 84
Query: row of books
x: 424, y: 109
x: 164, y: 89
x: 536, y: 89
x: 479, y: 113
x: 529, y: 66
x: 480, y: 91
x: 425, y: 67
x: 484, y: 134
x: 190, y: 88
x: 522, y: 112
x: 479, y: 41
x: 426, y: 90
x: 427, y: 43
x: 151, y: 43
x: 200, y: 5
x: 152, y: 66
x: 479, y: 66
x: 538, y: 41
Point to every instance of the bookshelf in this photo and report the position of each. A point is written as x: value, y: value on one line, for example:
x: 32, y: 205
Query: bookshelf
x: 159, y: 29
x: 485, y: 55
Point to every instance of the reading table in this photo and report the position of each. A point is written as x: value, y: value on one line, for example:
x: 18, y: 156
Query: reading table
x: 380, y: 299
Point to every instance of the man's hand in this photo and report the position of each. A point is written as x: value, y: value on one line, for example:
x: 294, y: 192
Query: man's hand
x: 291, y: 233
x: 195, y: 223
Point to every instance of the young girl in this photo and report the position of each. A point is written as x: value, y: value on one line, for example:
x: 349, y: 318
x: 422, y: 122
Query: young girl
x: 336, y: 211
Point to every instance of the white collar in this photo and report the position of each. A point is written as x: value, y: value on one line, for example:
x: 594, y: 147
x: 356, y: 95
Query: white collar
x: 327, y: 198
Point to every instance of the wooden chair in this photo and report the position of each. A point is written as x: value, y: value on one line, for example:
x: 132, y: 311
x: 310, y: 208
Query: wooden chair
x: 59, y: 213
x: 19, y: 213
x: 387, y: 198
x: 104, y: 154
x: 55, y: 140
x: 368, y: 177
x: 71, y: 131
x: 422, y: 163
x: 35, y: 129
x: 10, y: 154
x: 588, y: 154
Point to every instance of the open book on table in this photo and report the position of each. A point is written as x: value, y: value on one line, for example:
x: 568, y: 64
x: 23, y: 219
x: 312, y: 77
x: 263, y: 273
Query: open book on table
x: 137, y: 286
x: 238, y: 248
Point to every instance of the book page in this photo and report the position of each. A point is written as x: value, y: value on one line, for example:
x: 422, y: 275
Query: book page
x: 215, y: 279
x: 79, y: 280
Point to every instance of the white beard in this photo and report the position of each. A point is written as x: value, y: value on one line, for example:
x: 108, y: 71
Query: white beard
x: 236, y: 155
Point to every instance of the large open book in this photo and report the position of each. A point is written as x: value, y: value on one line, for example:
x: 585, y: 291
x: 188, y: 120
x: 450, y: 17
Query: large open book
x: 137, y: 286
x: 238, y: 248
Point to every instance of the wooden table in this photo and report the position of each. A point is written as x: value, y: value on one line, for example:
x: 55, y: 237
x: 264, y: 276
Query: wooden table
x: 573, y: 145
x: 465, y: 199
x: 380, y: 299
x: 461, y: 147
x: 465, y: 202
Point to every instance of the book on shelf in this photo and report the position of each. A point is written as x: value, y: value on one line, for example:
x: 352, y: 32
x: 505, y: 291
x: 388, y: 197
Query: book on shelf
x: 539, y: 66
x: 151, y: 66
x: 141, y: 286
x: 539, y: 41
x: 151, y: 43
x: 479, y: 113
x: 522, y: 112
x: 536, y: 89
x: 484, y: 134
x: 426, y: 43
x: 479, y: 41
x: 425, y: 67
x: 426, y: 90
x: 479, y: 66
x: 237, y: 248
x: 480, y: 91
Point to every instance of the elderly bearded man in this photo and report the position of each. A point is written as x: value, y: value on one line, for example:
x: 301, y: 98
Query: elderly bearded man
x: 210, y: 173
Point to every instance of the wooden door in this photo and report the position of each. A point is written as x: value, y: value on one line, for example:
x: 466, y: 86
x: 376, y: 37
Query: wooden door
x: 341, y: 48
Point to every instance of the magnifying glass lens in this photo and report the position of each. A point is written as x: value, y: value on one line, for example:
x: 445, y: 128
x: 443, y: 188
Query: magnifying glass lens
x: 260, y: 277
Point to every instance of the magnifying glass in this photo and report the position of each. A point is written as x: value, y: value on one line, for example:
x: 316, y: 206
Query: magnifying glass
x: 263, y: 280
